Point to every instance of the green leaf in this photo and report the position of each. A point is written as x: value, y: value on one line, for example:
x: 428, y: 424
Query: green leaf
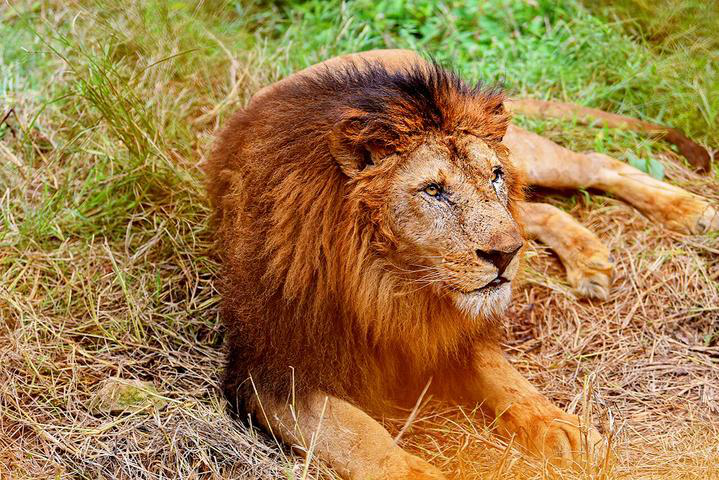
x: 636, y: 162
x: 652, y: 166
x: 656, y: 169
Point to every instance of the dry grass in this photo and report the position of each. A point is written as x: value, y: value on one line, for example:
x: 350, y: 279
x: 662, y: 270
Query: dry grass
x: 648, y: 353
x: 106, y: 270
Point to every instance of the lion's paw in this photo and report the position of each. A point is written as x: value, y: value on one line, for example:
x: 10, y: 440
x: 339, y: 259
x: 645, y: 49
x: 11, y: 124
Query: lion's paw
x: 398, y: 465
x: 708, y: 221
x: 548, y: 432
x: 419, y: 469
x: 591, y: 277
x: 686, y: 213
x: 563, y: 443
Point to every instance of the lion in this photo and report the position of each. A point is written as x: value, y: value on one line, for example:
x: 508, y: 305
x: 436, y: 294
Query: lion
x: 371, y: 222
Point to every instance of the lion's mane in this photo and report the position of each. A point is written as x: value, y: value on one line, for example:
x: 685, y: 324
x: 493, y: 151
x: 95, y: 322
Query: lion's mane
x: 310, y: 301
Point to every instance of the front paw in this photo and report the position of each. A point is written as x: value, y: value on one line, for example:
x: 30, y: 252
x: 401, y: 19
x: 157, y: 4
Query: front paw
x: 548, y: 432
x: 564, y: 442
x: 588, y: 263
x: 418, y: 469
x: 591, y: 277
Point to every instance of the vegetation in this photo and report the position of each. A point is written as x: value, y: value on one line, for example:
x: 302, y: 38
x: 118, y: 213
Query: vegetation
x: 106, y: 263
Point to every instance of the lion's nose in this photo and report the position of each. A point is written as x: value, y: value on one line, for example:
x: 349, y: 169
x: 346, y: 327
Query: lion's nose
x: 499, y: 258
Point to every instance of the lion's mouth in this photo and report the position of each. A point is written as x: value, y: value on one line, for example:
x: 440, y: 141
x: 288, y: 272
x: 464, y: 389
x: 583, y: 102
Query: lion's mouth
x: 496, y: 283
x: 488, y: 300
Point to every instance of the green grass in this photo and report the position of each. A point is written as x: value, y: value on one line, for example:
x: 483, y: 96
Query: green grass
x: 105, y: 248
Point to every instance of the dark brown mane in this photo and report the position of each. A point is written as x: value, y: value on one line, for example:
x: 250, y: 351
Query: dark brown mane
x: 309, y: 300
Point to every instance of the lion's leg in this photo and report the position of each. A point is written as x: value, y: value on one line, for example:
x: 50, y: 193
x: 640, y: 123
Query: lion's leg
x: 550, y: 165
x: 522, y: 412
x: 345, y: 437
x: 584, y: 256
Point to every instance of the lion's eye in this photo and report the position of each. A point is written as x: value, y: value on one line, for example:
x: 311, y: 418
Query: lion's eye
x: 433, y: 190
x: 498, y: 174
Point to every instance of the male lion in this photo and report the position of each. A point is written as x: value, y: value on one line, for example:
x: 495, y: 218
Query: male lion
x: 370, y: 227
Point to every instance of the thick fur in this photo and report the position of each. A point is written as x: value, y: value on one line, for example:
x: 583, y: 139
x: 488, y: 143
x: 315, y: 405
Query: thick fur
x: 311, y: 299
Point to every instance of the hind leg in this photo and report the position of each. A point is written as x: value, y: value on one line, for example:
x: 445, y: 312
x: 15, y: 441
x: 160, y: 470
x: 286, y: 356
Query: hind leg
x: 550, y: 165
x: 585, y: 258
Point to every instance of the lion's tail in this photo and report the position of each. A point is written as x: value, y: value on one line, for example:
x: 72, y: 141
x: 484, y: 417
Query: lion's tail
x: 696, y: 154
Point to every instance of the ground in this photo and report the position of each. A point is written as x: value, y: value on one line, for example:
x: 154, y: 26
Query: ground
x: 106, y: 264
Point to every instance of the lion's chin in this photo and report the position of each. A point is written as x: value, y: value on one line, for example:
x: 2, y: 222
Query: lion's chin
x: 485, y: 303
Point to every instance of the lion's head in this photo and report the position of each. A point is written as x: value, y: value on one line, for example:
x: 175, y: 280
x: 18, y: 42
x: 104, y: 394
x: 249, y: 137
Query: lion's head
x: 444, y: 209
x: 368, y: 211
x: 424, y: 157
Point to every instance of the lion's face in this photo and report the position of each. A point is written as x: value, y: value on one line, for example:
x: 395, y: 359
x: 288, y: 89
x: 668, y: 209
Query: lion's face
x: 449, y: 210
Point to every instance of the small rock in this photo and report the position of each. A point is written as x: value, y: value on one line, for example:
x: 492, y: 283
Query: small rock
x: 118, y: 395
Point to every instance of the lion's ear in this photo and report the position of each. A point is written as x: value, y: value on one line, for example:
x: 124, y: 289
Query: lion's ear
x: 352, y: 151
